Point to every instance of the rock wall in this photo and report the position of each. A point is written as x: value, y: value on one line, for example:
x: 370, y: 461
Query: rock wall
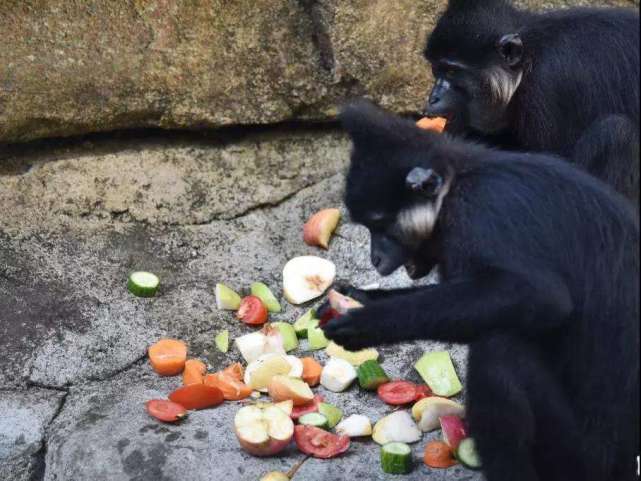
x: 71, y: 67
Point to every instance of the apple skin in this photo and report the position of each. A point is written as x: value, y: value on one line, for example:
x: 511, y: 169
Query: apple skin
x: 319, y: 228
x: 454, y: 430
x: 266, y: 449
x: 259, y: 418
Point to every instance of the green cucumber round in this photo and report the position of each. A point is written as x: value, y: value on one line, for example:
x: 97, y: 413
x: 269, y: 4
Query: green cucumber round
x: 467, y: 454
x: 143, y: 284
x: 396, y: 458
x: 314, y: 419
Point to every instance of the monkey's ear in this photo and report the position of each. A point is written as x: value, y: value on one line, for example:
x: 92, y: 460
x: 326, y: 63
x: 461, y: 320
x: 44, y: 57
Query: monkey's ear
x: 424, y: 182
x: 510, y: 47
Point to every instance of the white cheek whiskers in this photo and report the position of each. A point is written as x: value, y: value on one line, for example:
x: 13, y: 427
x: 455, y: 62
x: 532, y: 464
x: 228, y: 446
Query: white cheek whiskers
x: 503, y: 85
x: 417, y: 222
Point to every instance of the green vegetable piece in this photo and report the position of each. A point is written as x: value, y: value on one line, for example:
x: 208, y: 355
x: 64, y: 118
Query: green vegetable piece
x: 438, y: 372
x: 304, y: 322
x: 143, y: 284
x: 222, y: 341
x: 226, y: 299
x: 467, y: 454
x: 316, y: 338
x: 396, y: 458
x: 314, y: 419
x: 268, y: 299
x: 290, y: 341
x: 332, y: 413
x: 371, y: 375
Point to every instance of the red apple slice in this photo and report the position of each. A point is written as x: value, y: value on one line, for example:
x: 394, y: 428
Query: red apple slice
x: 263, y: 431
x: 454, y: 430
x: 320, y: 226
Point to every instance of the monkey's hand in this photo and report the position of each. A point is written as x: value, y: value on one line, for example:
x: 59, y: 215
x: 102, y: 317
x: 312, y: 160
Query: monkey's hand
x: 347, y: 290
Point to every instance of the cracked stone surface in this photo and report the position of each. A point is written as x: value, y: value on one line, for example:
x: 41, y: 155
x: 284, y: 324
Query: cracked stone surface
x: 81, y: 215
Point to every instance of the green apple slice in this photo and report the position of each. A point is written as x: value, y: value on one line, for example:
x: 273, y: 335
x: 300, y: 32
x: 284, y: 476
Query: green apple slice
x: 290, y: 340
x: 226, y: 299
x: 316, y: 338
x: 332, y: 413
x: 305, y: 322
x: 222, y: 341
x: 268, y: 299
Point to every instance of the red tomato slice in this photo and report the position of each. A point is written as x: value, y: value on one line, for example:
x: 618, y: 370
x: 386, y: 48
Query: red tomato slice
x: 166, y: 411
x: 422, y: 391
x: 397, y: 392
x: 197, y: 396
x: 310, y: 407
x: 319, y: 443
x: 252, y: 311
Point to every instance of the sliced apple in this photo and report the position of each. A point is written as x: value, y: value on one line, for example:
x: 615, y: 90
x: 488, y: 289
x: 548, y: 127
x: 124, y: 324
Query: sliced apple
x: 342, y: 303
x: 454, y: 430
x: 427, y: 411
x: 355, y: 426
x: 287, y: 332
x: 283, y: 388
x: 320, y: 226
x: 263, y: 431
x: 259, y: 373
x: 286, y: 406
x: 337, y: 375
x: 306, y: 278
x: 226, y: 299
x: 398, y: 427
x: 267, y: 340
x: 275, y: 476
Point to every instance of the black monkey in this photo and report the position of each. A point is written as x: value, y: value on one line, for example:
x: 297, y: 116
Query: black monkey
x: 564, y: 82
x: 540, y: 276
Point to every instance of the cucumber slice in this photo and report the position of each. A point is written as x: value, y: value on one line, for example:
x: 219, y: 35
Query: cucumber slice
x: 290, y: 341
x: 371, y: 375
x: 467, y: 454
x: 143, y: 284
x: 226, y: 299
x: 222, y: 341
x: 316, y: 338
x: 438, y: 372
x: 305, y: 322
x: 268, y: 299
x: 396, y: 458
x: 314, y: 419
x: 332, y: 413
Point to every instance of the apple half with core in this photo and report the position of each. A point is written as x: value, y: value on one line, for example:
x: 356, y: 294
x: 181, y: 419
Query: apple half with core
x: 263, y: 431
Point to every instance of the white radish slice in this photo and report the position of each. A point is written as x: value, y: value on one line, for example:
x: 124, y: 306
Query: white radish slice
x: 306, y: 278
x: 398, y: 427
x: 337, y: 375
x: 354, y: 426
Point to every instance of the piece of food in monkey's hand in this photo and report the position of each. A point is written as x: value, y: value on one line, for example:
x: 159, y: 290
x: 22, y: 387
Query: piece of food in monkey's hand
x: 306, y: 278
x: 319, y: 228
x: 341, y: 303
x: 438, y: 372
x: 436, y: 124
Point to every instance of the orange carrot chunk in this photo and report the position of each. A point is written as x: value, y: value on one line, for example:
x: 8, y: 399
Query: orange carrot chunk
x: 235, y: 370
x: 436, y: 124
x: 194, y: 372
x: 438, y: 455
x: 197, y: 396
x: 311, y: 371
x: 167, y: 357
x: 232, y: 388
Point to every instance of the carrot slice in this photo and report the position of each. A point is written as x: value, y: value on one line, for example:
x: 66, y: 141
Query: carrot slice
x: 194, y: 372
x: 311, y: 371
x: 438, y: 455
x: 232, y: 388
x: 437, y: 124
x: 167, y: 357
x: 197, y: 396
x: 235, y: 370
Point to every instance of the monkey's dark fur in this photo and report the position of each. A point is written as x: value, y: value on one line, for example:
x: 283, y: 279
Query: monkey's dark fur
x: 540, y: 276
x: 564, y: 82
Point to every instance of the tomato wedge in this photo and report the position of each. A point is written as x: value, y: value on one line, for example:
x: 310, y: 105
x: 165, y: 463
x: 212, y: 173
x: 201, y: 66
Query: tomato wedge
x: 166, y: 411
x: 319, y: 443
x: 397, y: 392
x: 422, y: 391
x: 197, y: 396
x: 252, y: 311
x: 310, y: 407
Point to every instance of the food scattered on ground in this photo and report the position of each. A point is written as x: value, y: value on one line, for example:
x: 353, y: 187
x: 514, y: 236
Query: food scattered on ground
x: 316, y: 338
x: 311, y: 371
x: 226, y: 298
x: 314, y: 419
x: 423, y: 391
x: 454, y: 430
x: 438, y: 455
x: 260, y: 372
x: 304, y: 322
x: 342, y: 303
x: 166, y: 411
x: 436, y: 124
x: 428, y: 411
x: 194, y: 372
x: 331, y: 412
x: 337, y: 375
x: 168, y: 356
x: 467, y: 454
x: 319, y: 443
x: 283, y: 388
x: 263, y: 431
x: 263, y: 292
x: 355, y: 426
x: 438, y: 372
x: 398, y: 393
x: 310, y: 407
x: 256, y: 344
x: 371, y: 375
x: 232, y: 388
x: 197, y: 396
x: 396, y: 458
x: 306, y: 278
x: 290, y: 340
x: 222, y: 341
x: 320, y: 227
x: 275, y: 476
x: 143, y: 284
x: 252, y: 311
x: 355, y: 358
x: 396, y: 427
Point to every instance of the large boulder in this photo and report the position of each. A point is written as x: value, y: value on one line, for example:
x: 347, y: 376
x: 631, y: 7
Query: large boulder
x: 75, y: 67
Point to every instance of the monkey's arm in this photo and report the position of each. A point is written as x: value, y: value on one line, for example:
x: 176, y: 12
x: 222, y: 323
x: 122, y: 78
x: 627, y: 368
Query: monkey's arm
x: 458, y: 311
